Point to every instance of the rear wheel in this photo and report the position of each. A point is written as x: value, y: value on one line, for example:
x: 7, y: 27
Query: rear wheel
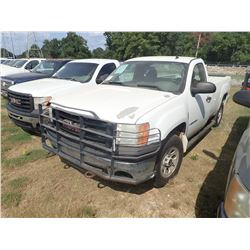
x: 219, y: 115
x: 169, y: 161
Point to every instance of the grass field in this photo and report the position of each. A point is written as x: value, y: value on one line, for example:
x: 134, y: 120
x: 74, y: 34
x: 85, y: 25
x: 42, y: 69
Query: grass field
x: 36, y: 184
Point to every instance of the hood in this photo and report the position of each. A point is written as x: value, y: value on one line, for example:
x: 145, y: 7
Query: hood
x: 7, y: 70
x: 24, y: 77
x: 44, y: 87
x: 112, y: 103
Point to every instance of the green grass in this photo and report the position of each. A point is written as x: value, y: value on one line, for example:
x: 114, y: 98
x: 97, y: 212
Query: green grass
x: 19, y: 183
x: 19, y: 138
x: 194, y: 157
x: 88, y: 212
x: 10, y: 130
x: 11, y: 199
x: 30, y: 156
x: 3, y: 102
x: 13, y: 196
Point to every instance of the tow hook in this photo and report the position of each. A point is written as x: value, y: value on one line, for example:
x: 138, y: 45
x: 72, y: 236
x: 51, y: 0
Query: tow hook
x: 89, y: 175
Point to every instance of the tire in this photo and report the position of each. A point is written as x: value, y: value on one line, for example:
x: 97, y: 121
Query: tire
x: 219, y: 115
x: 169, y: 162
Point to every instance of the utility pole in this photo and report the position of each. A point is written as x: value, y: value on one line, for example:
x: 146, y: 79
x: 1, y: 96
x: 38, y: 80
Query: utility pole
x: 13, y: 51
x: 198, y: 45
x: 31, y: 39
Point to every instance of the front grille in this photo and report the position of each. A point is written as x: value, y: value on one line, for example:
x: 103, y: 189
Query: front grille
x: 21, y: 102
x: 84, y: 135
x: 94, y: 130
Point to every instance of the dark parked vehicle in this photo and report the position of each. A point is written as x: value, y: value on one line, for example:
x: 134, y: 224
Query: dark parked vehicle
x: 44, y: 69
x: 246, y: 83
x: 237, y: 196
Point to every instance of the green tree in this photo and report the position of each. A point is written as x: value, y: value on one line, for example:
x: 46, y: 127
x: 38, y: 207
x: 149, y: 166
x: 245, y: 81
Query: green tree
x: 34, y: 51
x: 99, y: 53
x: 74, y: 46
x: 228, y: 47
x: 6, y: 53
x: 177, y: 43
x: 124, y: 45
x: 52, y: 48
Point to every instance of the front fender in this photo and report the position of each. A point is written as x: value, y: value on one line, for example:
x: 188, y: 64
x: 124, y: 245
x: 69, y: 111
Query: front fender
x: 167, y: 116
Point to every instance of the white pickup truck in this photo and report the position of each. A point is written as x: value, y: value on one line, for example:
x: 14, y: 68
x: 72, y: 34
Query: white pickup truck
x: 23, y: 99
x: 19, y: 66
x: 138, y: 123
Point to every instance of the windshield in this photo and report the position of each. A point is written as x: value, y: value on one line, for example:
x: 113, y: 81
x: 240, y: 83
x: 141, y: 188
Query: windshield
x: 155, y: 75
x: 19, y: 63
x: 46, y: 67
x: 10, y: 62
x: 81, y: 72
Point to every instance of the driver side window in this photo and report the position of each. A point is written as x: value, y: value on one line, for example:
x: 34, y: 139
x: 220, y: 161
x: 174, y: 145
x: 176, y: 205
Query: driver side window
x: 31, y: 64
x: 198, y: 75
x: 105, y: 71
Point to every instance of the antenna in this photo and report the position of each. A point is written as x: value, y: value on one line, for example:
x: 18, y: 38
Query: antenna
x: 31, y: 39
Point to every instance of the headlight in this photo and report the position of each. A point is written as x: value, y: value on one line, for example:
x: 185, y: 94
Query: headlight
x: 237, y: 201
x: 5, y: 83
x: 41, y: 100
x: 136, y: 135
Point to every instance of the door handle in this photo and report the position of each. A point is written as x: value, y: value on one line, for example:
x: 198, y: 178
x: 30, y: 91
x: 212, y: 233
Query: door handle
x: 209, y: 98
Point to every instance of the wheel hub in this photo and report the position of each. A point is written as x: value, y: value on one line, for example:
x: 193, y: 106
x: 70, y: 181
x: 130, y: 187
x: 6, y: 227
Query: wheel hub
x: 170, y: 162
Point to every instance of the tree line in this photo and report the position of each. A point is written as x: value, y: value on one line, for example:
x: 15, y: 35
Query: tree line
x: 213, y: 47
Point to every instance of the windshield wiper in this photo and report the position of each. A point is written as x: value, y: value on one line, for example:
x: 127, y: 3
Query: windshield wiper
x: 113, y: 83
x: 71, y: 79
x: 149, y: 86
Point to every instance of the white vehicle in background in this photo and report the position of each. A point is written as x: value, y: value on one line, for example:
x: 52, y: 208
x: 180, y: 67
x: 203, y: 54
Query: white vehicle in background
x: 3, y: 59
x: 24, y: 98
x: 19, y: 66
x: 139, y: 122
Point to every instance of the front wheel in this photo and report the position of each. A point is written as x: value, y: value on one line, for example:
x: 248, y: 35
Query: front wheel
x: 169, y: 161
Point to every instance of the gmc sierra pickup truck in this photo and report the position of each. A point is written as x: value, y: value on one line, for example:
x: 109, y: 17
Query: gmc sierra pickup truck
x: 23, y: 99
x: 138, y: 123
x: 45, y: 69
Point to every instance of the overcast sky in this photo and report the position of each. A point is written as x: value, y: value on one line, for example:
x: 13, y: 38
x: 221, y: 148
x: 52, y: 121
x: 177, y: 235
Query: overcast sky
x: 94, y: 39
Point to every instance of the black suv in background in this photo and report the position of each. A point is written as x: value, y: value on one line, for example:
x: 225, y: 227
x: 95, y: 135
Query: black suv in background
x: 44, y: 69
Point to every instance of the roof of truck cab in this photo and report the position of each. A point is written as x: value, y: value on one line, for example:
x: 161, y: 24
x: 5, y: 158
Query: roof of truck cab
x: 181, y: 59
x: 93, y: 60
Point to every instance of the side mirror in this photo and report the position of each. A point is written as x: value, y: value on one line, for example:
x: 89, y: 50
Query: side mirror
x: 203, y: 88
x: 242, y: 97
